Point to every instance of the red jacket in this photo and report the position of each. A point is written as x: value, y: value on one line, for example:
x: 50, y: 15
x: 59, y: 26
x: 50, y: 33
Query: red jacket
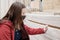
x: 6, y: 30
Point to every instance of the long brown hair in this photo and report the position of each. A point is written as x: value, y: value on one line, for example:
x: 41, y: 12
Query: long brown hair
x: 14, y: 14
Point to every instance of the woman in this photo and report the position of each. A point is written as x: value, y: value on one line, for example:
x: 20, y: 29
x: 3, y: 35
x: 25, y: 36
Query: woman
x: 12, y: 26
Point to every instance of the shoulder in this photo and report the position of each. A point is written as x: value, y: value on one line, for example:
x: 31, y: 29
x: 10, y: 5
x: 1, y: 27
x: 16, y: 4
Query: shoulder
x: 6, y: 23
x: 5, y: 29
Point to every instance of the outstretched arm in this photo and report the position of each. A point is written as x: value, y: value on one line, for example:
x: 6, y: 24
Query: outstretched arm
x: 33, y: 31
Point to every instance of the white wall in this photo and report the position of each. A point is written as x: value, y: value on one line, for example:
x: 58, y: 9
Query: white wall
x: 4, y: 6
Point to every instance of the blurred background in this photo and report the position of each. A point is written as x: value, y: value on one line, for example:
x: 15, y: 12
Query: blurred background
x: 38, y: 13
x: 45, y: 6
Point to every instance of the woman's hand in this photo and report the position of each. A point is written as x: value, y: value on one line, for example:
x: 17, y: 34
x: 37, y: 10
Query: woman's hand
x: 46, y: 28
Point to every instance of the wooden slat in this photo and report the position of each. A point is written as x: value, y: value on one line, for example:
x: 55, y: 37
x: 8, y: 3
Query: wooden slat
x: 45, y: 24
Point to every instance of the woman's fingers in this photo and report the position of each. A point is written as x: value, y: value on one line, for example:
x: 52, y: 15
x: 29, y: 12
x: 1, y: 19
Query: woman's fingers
x: 46, y: 28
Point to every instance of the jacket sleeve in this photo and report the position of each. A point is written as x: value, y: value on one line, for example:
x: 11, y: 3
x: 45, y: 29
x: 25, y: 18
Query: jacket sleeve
x: 33, y: 31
